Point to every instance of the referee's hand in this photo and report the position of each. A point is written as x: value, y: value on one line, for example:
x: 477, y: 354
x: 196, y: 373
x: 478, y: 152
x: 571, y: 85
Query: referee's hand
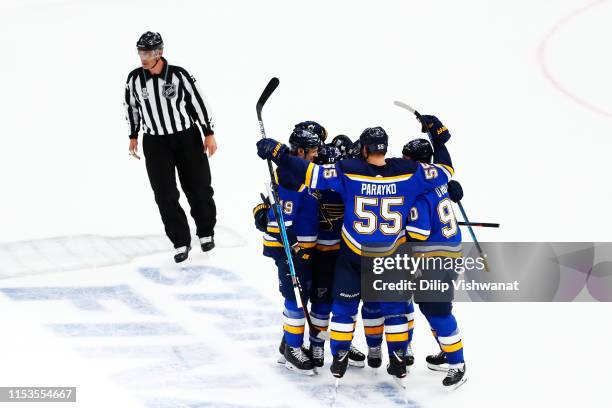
x: 210, y: 145
x: 134, y: 148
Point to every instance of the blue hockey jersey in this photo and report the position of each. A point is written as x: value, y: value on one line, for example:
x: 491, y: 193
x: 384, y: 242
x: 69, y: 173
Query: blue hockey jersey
x: 377, y: 199
x: 301, y: 215
x: 432, y: 219
x: 331, y: 214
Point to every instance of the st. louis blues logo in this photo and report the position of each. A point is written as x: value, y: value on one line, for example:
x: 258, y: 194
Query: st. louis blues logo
x: 169, y: 90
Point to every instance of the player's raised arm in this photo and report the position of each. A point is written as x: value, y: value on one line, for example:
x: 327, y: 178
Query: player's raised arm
x: 299, y: 171
x: 439, y: 135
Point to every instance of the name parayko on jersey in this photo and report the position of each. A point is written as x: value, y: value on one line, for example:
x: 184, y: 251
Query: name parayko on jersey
x: 378, y: 189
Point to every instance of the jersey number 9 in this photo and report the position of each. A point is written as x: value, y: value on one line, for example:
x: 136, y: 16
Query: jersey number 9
x: 447, y: 217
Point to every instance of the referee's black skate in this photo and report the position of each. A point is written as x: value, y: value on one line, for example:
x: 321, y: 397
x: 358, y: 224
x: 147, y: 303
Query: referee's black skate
x: 374, y: 357
x: 397, y: 364
x: 181, y: 254
x: 437, y: 362
x: 356, y: 357
x: 340, y: 363
x: 207, y: 243
x: 297, y: 360
x: 455, y: 377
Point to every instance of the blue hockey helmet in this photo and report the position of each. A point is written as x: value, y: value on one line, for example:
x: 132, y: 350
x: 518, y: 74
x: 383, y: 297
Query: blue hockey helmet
x: 419, y: 150
x: 374, y: 139
x: 313, y: 127
x: 303, y: 138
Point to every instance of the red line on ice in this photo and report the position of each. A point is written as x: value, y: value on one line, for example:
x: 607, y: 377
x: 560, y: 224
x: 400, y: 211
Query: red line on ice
x: 542, y: 59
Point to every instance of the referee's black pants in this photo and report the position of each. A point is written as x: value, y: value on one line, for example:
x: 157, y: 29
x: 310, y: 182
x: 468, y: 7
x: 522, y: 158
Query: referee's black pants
x: 185, y: 152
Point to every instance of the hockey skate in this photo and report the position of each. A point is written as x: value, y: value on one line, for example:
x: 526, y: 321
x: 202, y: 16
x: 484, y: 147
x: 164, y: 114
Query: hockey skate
x: 437, y: 362
x: 340, y: 363
x: 455, y: 377
x: 374, y: 357
x: 356, y: 357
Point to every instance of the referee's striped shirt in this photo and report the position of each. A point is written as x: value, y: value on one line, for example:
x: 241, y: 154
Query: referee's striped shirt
x: 166, y: 103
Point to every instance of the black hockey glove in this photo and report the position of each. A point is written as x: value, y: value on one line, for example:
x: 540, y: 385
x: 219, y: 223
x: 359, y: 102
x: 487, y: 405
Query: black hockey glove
x: 438, y: 131
x: 300, y: 253
x: 270, y: 149
x: 455, y: 192
x: 260, y: 213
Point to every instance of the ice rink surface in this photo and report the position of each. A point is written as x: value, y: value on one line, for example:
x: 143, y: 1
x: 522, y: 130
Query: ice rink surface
x: 89, y: 296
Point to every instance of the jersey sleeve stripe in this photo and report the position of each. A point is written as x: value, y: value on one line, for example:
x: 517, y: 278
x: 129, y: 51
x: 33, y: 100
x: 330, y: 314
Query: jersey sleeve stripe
x: 309, y: 170
x: 419, y: 237
x: 448, y: 170
x: 315, y: 176
x: 417, y: 230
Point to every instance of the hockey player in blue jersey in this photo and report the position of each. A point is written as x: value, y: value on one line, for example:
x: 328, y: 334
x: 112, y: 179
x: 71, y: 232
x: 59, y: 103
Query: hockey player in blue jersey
x: 432, y: 220
x: 378, y: 193
x: 300, y: 211
x: 331, y: 214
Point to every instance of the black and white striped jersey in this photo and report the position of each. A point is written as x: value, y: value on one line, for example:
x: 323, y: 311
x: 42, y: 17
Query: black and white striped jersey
x: 166, y: 103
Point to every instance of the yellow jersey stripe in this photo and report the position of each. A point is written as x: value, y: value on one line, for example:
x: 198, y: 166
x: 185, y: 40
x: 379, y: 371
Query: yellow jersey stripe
x: 324, y: 248
x: 309, y: 171
x: 274, y: 244
x: 449, y: 168
x: 418, y: 236
x: 373, y: 254
x: 307, y: 244
x: 372, y: 178
x: 445, y: 254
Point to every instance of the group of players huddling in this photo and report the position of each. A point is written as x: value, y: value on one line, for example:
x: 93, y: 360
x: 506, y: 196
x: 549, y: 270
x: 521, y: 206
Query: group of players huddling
x: 342, y: 201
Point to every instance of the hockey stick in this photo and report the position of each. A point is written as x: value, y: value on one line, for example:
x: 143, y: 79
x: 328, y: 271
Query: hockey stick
x: 276, y: 206
x: 479, y: 224
x: 425, y: 128
x: 482, y: 254
x: 415, y: 113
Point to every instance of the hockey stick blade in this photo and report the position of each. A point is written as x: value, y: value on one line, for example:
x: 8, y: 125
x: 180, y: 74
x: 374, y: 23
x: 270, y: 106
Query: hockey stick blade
x: 270, y: 88
x: 415, y: 113
x: 323, y: 335
x: 404, y: 106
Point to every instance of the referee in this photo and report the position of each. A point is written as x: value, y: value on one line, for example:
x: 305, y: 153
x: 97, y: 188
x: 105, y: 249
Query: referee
x: 167, y: 102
